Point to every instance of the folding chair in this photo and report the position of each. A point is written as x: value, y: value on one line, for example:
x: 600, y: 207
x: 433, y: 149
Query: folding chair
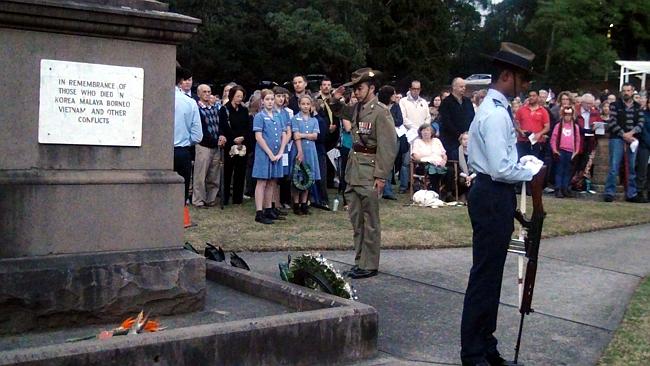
x: 424, y: 178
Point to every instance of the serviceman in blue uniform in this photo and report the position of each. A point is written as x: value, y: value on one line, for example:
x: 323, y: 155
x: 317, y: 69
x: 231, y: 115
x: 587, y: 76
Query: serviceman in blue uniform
x: 492, y: 153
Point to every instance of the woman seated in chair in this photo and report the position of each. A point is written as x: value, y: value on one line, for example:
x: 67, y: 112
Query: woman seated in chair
x: 430, y: 155
x: 466, y: 174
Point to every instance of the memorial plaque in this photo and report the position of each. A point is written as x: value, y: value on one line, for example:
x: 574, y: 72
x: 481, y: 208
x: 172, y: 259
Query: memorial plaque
x: 90, y: 104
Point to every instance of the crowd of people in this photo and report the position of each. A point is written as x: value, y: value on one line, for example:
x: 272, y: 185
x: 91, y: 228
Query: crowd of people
x: 286, y: 149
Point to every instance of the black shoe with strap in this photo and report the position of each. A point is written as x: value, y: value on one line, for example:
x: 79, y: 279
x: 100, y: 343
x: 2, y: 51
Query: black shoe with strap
x: 261, y: 218
x: 279, y: 212
x: 270, y: 213
x: 296, y: 209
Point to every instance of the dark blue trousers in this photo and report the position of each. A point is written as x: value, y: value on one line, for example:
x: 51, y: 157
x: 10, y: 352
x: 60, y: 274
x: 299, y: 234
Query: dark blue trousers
x: 491, y: 207
x: 183, y: 166
x: 563, y: 172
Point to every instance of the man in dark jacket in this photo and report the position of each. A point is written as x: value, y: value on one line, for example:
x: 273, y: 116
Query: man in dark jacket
x: 388, y: 97
x: 318, y: 191
x: 456, y: 114
x: 642, y: 156
x: 626, y: 122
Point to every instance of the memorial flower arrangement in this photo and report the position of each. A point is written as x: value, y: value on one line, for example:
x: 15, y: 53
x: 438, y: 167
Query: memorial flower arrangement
x: 302, y: 178
x: 132, y: 325
x: 312, y: 270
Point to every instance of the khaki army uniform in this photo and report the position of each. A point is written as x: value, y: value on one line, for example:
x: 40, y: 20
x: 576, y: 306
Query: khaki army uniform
x: 372, y: 156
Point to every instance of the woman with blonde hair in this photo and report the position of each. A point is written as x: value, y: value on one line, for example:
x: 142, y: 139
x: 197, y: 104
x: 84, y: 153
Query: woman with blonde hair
x: 270, y: 134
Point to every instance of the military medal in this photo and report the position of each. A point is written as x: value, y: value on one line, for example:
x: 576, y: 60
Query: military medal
x: 365, y: 128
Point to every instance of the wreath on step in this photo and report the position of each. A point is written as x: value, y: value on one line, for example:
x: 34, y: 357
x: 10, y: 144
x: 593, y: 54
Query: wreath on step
x: 302, y: 178
x: 313, y: 271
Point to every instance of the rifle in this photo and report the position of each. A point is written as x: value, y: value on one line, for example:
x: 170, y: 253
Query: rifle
x: 222, y: 189
x: 531, y: 245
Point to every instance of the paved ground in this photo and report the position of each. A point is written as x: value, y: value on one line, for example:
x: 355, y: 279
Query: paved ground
x: 583, y: 285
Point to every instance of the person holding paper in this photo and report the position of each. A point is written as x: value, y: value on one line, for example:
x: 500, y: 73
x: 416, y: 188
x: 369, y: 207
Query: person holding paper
x: 626, y: 121
x: 533, y: 125
x: 587, y: 118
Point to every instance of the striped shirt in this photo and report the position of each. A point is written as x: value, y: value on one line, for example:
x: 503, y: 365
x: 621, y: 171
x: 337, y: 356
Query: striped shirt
x: 624, y: 119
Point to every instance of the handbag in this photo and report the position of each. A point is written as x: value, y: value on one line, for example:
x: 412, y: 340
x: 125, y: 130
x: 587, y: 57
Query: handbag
x: 435, y: 169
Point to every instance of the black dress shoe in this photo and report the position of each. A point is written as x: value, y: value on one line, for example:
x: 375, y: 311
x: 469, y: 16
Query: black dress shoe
x: 352, y: 269
x: 390, y: 198
x: 362, y: 273
x: 482, y: 363
x: 497, y: 360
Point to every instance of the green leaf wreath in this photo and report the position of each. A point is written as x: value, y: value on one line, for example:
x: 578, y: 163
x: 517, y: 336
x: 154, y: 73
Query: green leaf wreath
x: 317, y: 273
x: 302, y: 178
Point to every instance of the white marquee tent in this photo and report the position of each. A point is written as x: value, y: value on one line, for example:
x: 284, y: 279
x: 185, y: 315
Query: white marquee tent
x: 639, y: 68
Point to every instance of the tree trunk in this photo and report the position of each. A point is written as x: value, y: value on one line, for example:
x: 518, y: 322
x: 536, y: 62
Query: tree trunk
x: 548, y: 50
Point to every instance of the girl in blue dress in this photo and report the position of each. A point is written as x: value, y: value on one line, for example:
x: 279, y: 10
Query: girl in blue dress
x: 267, y: 168
x: 305, y: 132
x: 282, y: 194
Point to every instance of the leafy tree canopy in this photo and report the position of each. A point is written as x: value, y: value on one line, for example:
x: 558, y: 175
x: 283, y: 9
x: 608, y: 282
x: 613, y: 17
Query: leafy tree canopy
x: 433, y: 41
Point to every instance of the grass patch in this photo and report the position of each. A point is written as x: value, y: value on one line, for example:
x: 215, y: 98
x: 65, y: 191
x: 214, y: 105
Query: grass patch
x: 631, y: 343
x: 403, y: 226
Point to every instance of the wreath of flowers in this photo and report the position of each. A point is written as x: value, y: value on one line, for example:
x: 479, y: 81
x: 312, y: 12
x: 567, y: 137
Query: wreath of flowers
x: 313, y: 271
x: 302, y: 178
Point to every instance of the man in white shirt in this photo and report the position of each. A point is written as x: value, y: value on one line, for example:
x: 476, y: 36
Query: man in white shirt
x: 415, y: 111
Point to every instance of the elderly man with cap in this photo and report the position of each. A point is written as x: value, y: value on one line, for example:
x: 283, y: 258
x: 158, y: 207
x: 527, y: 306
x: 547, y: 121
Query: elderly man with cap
x: 492, y: 153
x: 369, y: 165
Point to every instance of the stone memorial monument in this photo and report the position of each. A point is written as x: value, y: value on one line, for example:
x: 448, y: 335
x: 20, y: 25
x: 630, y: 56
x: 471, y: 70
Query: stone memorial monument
x: 90, y: 209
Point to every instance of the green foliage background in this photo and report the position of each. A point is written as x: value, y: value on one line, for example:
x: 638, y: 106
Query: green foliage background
x: 253, y: 40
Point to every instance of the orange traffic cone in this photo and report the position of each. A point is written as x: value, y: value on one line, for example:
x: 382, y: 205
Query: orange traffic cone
x: 187, y: 222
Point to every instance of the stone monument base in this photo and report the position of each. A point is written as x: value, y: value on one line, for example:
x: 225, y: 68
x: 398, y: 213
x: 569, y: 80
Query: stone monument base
x: 72, y: 289
x: 249, y: 320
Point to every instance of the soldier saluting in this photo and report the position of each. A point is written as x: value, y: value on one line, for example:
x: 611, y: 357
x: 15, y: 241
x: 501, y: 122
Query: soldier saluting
x: 491, y: 203
x: 369, y: 164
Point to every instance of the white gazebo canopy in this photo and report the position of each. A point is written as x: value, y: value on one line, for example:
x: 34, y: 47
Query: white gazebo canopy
x: 639, y: 68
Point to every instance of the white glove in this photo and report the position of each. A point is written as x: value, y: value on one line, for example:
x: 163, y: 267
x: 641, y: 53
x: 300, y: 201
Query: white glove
x: 634, y: 145
x: 531, y: 163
